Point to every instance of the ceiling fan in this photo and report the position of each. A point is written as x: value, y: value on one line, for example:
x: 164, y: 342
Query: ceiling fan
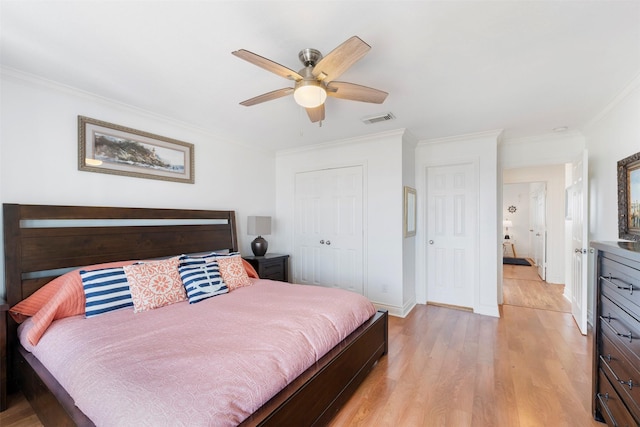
x: 316, y: 80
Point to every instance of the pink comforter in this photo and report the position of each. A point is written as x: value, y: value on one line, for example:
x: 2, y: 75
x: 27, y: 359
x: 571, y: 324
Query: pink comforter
x: 207, y: 364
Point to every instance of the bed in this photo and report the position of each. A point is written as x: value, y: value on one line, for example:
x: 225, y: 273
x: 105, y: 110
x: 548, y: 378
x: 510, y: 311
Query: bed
x: 41, y: 244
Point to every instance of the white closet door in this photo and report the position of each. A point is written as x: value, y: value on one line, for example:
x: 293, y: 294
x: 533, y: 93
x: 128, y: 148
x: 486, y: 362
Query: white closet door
x: 451, y: 235
x: 328, y: 236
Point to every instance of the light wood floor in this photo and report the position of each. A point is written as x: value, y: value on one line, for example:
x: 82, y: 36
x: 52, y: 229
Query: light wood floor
x: 449, y: 367
x: 523, y: 287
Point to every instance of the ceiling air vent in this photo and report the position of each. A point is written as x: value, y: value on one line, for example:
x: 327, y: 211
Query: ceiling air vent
x: 376, y: 119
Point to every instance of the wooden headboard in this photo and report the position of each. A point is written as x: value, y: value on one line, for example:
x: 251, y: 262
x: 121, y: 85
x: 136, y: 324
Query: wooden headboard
x: 41, y: 241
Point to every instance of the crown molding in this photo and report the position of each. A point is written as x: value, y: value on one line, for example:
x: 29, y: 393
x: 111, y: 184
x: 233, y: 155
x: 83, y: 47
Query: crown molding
x: 493, y: 134
x: 628, y: 89
x: 344, y: 142
x: 35, y: 80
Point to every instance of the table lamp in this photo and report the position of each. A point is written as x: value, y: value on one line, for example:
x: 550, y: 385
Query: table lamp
x: 506, y: 224
x: 259, y: 225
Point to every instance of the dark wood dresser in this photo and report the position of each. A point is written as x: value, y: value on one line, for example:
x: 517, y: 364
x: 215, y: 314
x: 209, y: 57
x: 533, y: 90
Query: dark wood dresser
x: 616, y: 359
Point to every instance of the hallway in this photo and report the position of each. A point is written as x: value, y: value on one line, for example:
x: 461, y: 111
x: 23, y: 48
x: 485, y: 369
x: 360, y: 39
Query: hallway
x: 523, y: 287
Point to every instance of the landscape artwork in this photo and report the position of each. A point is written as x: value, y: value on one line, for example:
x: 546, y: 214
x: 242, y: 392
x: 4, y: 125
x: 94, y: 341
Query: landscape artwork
x: 112, y: 149
x: 108, y: 148
x: 629, y: 198
x: 634, y: 198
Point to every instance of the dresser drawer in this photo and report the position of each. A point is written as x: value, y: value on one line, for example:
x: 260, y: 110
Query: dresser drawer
x: 610, y: 406
x: 271, y: 266
x: 620, y: 327
x: 273, y: 270
x: 621, y: 283
x: 622, y: 373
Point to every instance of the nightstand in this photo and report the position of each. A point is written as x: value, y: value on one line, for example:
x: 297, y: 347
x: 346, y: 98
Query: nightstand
x: 270, y: 266
x: 4, y: 307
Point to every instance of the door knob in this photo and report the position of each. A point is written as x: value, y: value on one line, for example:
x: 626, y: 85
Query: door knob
x: 328, y: 242
x: 322, y: 242
x: 431, y: 242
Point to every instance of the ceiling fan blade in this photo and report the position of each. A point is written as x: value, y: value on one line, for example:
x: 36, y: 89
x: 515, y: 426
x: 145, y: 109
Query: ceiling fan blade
x: 269, y: 96
x: 354, y: 92
x: 267, y: 64
x: 316, y: 114
x: 340, y: 59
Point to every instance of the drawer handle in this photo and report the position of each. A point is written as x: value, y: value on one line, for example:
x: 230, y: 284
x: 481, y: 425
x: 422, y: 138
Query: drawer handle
x: 630, y: 383
x: 608, y: 319
x: 607, y: 361
x: 610, y: 279
x: 600, y: 397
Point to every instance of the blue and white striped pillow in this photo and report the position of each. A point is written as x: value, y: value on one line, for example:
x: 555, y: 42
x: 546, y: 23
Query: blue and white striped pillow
x: 201, y: 277
x: 105, y: 290
x: 190, y: 261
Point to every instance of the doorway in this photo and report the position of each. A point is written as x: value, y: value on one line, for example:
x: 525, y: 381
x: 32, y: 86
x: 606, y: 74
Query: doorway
x: 540, y: 230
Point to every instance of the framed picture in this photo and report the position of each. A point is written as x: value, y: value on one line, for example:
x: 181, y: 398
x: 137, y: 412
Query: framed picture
x: 629, y: 198
x: 410, y: 211
x: 107, y: 148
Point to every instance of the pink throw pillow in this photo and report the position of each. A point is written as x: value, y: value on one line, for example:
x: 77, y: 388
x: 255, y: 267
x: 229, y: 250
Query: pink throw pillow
x: 155, y: 284
x: 233, y: 272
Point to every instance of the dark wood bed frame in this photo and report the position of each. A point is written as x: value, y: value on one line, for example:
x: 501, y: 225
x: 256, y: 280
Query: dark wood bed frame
x: 311, y: 399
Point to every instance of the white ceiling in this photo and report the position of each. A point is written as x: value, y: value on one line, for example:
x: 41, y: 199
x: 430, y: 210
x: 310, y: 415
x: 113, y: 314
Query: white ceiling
x: 450, y: 67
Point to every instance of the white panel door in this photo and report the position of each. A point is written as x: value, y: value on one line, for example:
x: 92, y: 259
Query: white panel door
x: 579, y: 238
x: 539, y: 229
x: 328, y: 233
x: 451, y: 235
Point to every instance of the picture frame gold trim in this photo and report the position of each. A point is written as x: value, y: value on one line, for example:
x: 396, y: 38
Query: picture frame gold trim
x: 118, y: 150
x: 410, y: 211
x: 629, y: 198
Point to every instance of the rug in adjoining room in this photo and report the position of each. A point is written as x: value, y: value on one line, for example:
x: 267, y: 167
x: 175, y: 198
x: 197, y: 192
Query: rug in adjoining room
x: 515, y: 261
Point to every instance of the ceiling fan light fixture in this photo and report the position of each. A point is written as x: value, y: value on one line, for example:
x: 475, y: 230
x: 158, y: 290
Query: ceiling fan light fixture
x: 310, y: 94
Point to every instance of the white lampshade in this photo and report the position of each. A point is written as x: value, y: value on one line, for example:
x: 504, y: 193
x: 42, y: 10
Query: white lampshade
x: 507, y: 223
x: 259, y: 225
x: 310, y: 94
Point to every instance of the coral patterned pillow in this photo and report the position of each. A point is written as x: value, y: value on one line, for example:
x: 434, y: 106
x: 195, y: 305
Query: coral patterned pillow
x: 233, y: 272
x: 155, y: 284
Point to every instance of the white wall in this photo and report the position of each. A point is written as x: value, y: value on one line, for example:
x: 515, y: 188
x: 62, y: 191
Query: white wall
x: 39, y: 151
x: 554, y: 177
x: 381, y: 156
x: 409, y: 243
x: 481, y: 150
x: 517, y: 195
x: 542, y: 150
x: 613, y: 135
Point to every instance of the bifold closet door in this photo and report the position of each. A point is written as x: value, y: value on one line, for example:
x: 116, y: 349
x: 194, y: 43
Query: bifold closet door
x: 328, y: 236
